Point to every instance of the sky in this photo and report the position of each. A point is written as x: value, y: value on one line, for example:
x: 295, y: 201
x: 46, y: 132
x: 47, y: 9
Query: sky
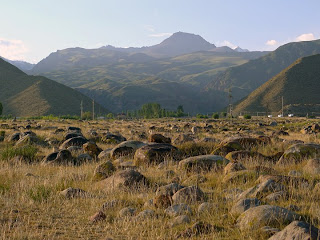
x: 31, y: 29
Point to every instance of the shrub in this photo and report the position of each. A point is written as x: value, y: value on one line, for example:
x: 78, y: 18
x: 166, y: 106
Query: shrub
x: 247, y: 116
x: 201, y: 116
x: 215, y: 115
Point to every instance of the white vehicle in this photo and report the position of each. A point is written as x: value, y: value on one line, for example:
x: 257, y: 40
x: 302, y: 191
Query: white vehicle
x: 269, y: 116
x: 290, y: 115
x: 280, y: 115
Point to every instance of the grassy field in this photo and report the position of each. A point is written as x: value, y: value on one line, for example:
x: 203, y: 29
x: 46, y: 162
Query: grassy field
x: 31, y: 206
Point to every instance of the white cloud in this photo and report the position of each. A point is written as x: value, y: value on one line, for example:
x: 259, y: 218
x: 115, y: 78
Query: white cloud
x: 150, y: 28
x: 306, y: 37
x: 226, y: 43
x: 160, y: 35
x: 271, y: 43
x: 13, y: 49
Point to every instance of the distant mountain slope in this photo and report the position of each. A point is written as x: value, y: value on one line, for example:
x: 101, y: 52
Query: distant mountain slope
x: 23, y: 95
x: 22, y: 65
x: 247, y: 77
x: 299, y: 85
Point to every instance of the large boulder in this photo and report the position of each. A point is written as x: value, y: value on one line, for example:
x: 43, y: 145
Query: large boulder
x: 155, y: 153
x: 203, y: 162
x: 126, y: 179
x: 76, y: 141
x: 297, y: 230
x: 265, y: 215
x: 245, y: 155
x: 111, y: 138
x: 125, y: 148
x: 62, y: 157
x: 296, y: 153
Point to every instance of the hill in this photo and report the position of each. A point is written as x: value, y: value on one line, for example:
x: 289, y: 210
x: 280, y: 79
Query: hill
x: 22, y: 65
x: 299, y: 85
x: 249, y: 76
x: 24, y: 95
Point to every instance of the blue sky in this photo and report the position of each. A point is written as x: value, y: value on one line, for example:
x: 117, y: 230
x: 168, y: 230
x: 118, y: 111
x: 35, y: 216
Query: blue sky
x: 30, y: 30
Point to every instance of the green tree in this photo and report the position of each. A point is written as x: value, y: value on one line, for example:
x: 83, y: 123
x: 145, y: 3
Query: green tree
x: 1, y: 108
x: 110, y: 116
x: 87, y: 115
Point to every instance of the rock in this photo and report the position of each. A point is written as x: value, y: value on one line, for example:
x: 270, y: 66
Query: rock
x: 312, y: 166
x: 72, y: 135
x: 126, y: 179
x: 195, y: 129
x: 183, y: 138
x: 62, y: 157
x: 179, y: 220
x: 168, y: 189
x: 233, y: 167
x: 112, y: 204
x: 297, y: 230
x: 243, y: 155
x: 105, y: 154
x: 205, y: 207
x: 273, y: 124
x: 73, y: 193
x: 225, y: 147
x: 276, y: 196
x: 159, y: 138
x: 85, y: 157
x: 13, y: 137
x: 243, y: 205
x: 92, y: 149
x: 242, y: 176
x: 103, y: 171
x: 203, y: 162
x: 30, y: 139
x: 264, y: 215
x: 297, y: 152
x: 75, y: 149
x: 178, y: 209
x: 127, y: 212
x: 113, y: 138
x: 145, y: 214
x: 199, y: 228
x: 76, y: 141
x: 97, y: 217
x: 236, y: 144
x: 155, y: 153
x: 73, y: 129
x: 188, y: 195
x: 162, y: 201
x: 262, y: 189
x: 126, y: 148
x: 269, y: 231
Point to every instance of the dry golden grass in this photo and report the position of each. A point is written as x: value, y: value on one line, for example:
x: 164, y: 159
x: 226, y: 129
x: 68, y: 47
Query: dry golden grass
x: 31, y: 207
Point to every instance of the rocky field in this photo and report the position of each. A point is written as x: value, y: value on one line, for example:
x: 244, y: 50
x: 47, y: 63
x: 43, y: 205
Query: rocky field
x: 160, y: 179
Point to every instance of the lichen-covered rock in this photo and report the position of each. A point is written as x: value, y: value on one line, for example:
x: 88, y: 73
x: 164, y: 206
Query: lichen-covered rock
x: 62, y: 157
x: 92, y: 149
x: 233, y: 167
x: 178, y: 209
x: 159, y: 138
x: 265, y: 215
x: 103, y: 171
x: 125, y: 148
x: 312, y: 166
x: 297, y: 152
x: 243, y: 205
x: 155, y: 153
x: 126, y: 179
x: 76, y: 141
x: 169, y: 189
x: 297, y: 230
x: 188, y: 195
x: 203, y: 162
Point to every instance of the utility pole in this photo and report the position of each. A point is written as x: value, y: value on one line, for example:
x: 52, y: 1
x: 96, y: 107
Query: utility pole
x: 282, y: 105
x: 81, y: 110
x: 92, y: 109
x: 230, y: 103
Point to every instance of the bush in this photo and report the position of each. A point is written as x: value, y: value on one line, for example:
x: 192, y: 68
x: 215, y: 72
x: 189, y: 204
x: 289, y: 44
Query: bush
x: 247, y: 116
x: 201, y: 116
x: 215, y: 115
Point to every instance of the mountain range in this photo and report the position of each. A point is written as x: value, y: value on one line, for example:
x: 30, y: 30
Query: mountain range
x: 123, y: 79
x: 27, y: 96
